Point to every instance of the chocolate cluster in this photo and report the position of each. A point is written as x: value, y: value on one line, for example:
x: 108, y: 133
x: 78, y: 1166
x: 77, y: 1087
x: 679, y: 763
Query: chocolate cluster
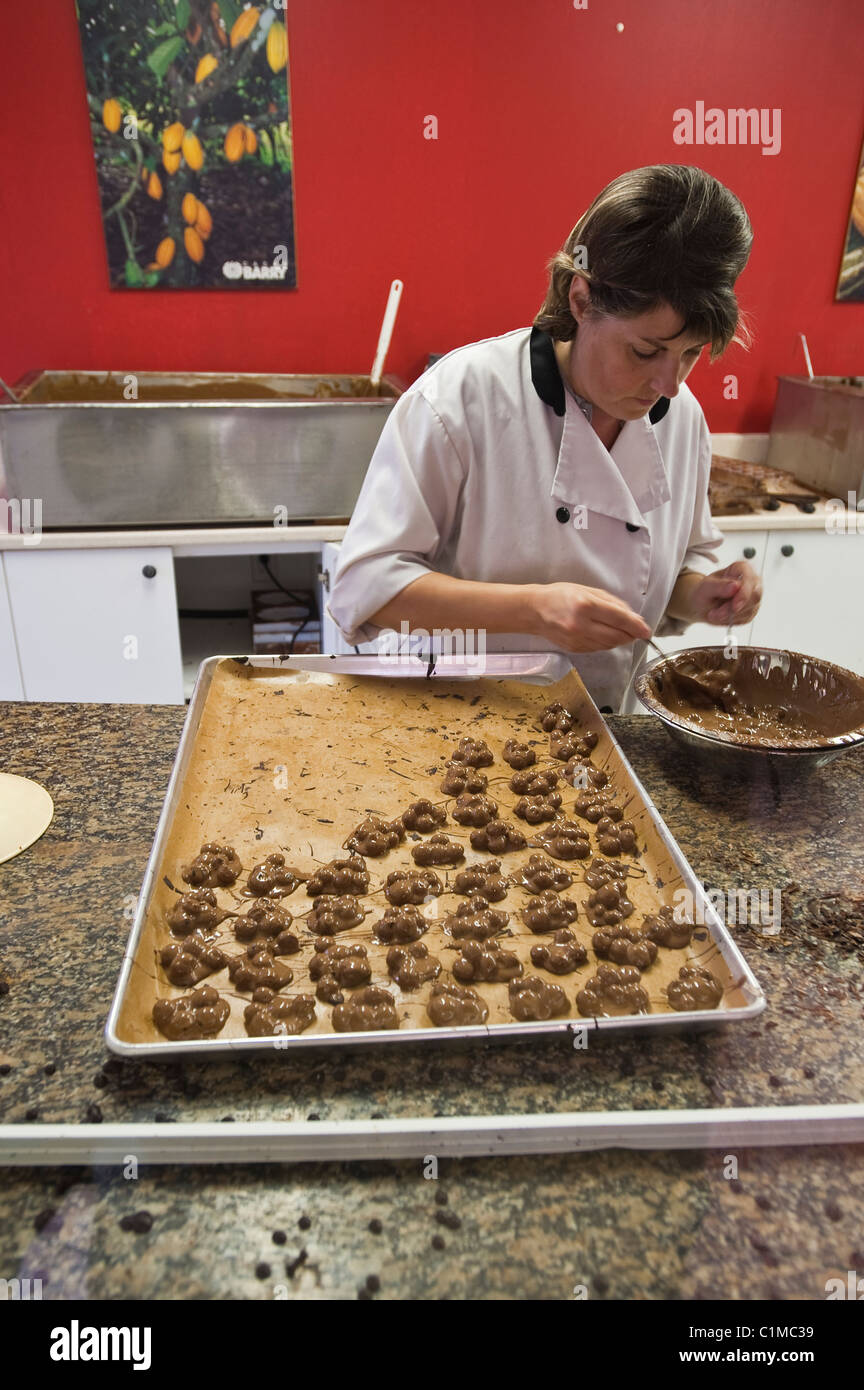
x: 518, y: 755
x: 548, y: 912
x: 272, y: 878
x: 476, y: 919
x: 540, y: 875
x: 278, y: 1015
x: 484, y: 961
x: 405, y: 923
x: 535, y: 1000
x: 694, y: 988
x: 338, y: 877
x: 473, y: 752
x: 192, y: 960
x: 196, y: 910
x: 498, y: 837
x: 411, y: 966
x: 439, y: 849
x: 534, y: 782
x: 625, y: 945
x: 613, y: 990
x: 535, y: 809
x: 201, y: 1014
x: 474, y: 810
x: 484, y: 878
x: 259, y: 967
x: 411, y: 886
x: 214, y: 866
x: 663, y: 928
x: 451, y: 1005
x: 374, y: 837
x: 366, y: 1011
x: 459, y: 778
x: 331, y: 915
x: 565, y: 840
x: 560, y: 956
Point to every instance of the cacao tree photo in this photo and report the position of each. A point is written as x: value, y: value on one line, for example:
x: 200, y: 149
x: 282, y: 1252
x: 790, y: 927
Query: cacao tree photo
x: 190, y: 114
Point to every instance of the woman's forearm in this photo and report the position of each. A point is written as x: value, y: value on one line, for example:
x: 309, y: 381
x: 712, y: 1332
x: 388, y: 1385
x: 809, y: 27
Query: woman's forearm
x: 680, y: 604
x: 439, y: 600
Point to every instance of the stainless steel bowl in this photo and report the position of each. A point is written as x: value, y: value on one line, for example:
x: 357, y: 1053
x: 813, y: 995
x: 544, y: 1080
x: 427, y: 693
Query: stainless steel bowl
x: 813, y: 676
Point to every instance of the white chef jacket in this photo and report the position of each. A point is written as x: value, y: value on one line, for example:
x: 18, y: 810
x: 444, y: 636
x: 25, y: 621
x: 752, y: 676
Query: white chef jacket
x: 487, y: 469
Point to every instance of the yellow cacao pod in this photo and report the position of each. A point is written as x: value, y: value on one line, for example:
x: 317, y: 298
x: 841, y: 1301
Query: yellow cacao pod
x: 250, y: 139
x: 858, y: 204
x: 243, y: 25
x: 171, y: 161
x: 235, y: 143
x: 154, y: 185
x: 145, y: 174
x: 207, y: 65
x: 194, y: 245
x: 165, y: 252
x: 172, y: 136
x: 192, y: 151
x: 203, y: 222
x: 190, y: 209
x: 112, y: 115
x: 277, y: 46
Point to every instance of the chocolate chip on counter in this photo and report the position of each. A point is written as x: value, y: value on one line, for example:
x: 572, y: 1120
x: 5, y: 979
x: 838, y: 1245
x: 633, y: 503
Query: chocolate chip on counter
x: 32, y: 1113
x: 49, y: 1068
x: 601, y: 1284
x: 373, y: 1283
x: 313, y: 1116
x: 262, y: 1270
x: 764, y: 1202
x: 93, y: 1115
x: 100, y: 1080
x: 809, y: 1072
x: 375, y: 1226
x: 227, y: 1120
x: 363, y: 1293
x: 43, y: 1218
x: 292, y: 1266
x: 448, y: 1219
x: 162, y: 1119
x: 774, y: 1081
x: 279, y: 1237
x: 139, y: 1221
x: 5, y: 1069
x: 441, y: 1198
x: 304, y: 1223
x: 438, y: 1242
x: 377, y: 1115
x: 833, y: 1210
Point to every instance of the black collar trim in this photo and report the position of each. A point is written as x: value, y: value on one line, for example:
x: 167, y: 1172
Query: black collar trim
x: 546, y: 378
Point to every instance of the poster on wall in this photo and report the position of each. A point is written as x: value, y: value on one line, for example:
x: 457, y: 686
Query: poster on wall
x: 850, y: 284
x: 190, y: 114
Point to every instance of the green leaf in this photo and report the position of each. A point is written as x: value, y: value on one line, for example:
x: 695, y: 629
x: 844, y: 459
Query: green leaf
x: 163, y: 56
x: 265, y: 148
x: 183, y: 13
x: 157, y: 29
x: 151, y: 278
x: 134, y: 275
x: 229, y: 12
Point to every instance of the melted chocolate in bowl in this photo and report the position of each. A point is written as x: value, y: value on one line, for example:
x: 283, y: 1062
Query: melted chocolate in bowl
x: 761, y: 698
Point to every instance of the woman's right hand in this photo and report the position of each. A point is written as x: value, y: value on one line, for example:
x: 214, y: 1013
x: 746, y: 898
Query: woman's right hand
x: 581, y: 619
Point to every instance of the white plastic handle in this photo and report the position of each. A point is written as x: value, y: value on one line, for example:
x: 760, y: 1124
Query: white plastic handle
x: 386, y: 331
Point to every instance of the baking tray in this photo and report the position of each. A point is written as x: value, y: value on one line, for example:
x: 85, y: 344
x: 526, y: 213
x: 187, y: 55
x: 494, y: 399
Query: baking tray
x: 240, y: 728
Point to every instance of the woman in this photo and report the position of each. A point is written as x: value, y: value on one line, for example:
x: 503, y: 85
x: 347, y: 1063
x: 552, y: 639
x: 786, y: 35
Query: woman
x: 550, y: 486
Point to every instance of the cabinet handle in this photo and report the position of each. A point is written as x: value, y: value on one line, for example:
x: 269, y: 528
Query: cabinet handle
x: 149, y: 571
x: 787, y: 550
x: 748, y: 552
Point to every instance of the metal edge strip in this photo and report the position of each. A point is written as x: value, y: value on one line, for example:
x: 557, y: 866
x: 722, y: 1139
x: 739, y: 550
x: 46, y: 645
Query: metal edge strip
x: 459, y: 1137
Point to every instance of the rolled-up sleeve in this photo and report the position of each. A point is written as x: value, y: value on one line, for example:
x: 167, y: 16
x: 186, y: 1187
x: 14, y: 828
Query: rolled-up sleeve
x: 403, y: 518
x: 704, y: 539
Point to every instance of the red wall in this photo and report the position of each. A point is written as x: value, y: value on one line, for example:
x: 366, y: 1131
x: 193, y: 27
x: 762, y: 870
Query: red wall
x: 539, y: 106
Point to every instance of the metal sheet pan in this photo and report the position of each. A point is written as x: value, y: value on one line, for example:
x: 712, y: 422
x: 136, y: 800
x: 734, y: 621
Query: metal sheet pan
x: 743, y: 998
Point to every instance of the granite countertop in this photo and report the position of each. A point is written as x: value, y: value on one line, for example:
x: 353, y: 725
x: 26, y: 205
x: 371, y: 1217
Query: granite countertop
x: 626, y: 1224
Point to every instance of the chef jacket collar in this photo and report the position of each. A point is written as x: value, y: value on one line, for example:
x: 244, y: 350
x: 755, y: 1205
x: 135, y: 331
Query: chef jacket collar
x: 546, y: 378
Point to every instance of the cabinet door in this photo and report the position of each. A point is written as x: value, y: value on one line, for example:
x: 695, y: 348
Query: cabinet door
x: 737, y: 545
x: 96, y: 625
x: 812, y: 591
x: 11, y: 687
x: 332, y: 641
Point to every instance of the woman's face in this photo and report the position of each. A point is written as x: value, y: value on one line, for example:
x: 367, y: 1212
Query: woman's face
x: 621, y: 365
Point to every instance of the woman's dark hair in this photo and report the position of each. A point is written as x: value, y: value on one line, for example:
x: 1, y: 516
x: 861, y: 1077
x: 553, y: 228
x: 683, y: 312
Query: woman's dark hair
x: 666, y: 234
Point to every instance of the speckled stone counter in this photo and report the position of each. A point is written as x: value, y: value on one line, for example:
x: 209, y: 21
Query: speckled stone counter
x: 625, y: 1224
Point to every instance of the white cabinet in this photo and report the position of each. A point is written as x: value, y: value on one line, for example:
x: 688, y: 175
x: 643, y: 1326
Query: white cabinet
x: 11, y: 687
x: 96, y: 625
x: 332, y: 641
x: 813, y: 583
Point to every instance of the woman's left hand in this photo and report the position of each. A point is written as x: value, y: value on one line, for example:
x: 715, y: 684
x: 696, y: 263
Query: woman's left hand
x: 728, y: 597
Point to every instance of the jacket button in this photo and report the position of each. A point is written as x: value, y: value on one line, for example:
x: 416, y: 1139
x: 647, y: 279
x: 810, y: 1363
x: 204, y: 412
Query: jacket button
x: 562, y: 514
x: 630, y: 526
x: 605, y: 709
